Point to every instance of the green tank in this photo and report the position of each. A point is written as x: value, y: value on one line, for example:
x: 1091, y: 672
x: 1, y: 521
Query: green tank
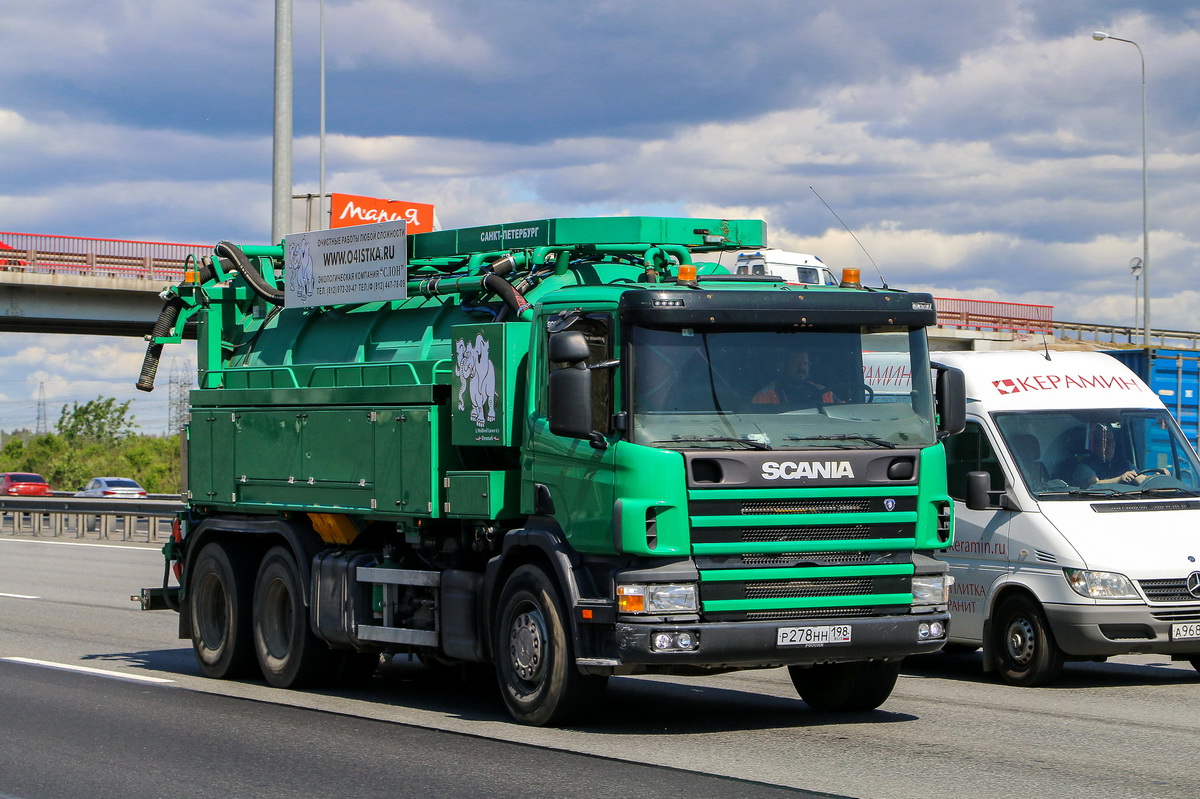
x: 567, y: 448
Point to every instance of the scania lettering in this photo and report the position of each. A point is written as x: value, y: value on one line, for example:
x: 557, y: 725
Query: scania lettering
x: 792, y: 470
x: 554, y: 458
x: 1077, y: 505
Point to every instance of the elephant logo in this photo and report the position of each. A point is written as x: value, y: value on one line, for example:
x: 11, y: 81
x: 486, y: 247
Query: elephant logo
x: 476, y: 378
x: 300, y: 269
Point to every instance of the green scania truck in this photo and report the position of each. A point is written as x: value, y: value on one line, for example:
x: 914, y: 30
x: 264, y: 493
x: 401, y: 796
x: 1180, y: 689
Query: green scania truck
x: 569, y: 448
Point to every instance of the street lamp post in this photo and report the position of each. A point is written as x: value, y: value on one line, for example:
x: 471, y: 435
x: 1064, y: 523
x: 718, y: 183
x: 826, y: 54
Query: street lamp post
x: 1101, y: 36
x: 1135, y: 268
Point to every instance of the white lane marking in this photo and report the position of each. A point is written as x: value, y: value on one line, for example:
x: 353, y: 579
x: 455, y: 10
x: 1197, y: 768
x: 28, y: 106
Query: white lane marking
x: 143, y: 547
x: 116, y: 675
x: 20, y: 596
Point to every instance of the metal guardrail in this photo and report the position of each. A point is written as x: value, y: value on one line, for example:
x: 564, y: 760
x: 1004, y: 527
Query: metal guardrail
x: 993, y: 315
x: 1124, y: 334
x: 139, y: 520
x: 76, y: 255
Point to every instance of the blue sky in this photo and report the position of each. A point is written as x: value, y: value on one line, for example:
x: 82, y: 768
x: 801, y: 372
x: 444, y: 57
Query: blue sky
x: 978, y: 150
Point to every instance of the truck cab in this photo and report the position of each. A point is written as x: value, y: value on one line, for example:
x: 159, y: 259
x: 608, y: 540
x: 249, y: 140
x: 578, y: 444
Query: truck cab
x: 1077, y: 501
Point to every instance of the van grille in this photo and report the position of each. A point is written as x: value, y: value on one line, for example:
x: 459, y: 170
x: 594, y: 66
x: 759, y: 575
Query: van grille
x: 1167, y: 590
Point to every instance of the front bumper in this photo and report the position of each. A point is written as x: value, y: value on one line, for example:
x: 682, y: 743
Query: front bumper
x: 753, y: 644
x: 1104, y: 630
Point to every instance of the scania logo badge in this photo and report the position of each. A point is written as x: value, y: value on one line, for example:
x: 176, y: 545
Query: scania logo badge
x: 1193, y: 584
x: 889, y: 504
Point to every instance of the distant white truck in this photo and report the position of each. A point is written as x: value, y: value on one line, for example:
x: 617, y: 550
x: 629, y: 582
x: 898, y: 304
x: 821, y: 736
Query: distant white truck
x: 1077, y: 516
x: 793, y: 267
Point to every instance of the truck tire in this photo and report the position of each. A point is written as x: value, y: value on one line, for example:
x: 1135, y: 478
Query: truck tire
x: 1023, y: 648
x: 845, y: 687
x: 1195, y: 662
x: 535, y: 664
x: 289, y: 654
x: 221, y: 595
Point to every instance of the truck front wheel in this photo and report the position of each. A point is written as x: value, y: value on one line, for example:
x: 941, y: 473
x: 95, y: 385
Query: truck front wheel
x: 289, y: 654
x: 534, y: 660
x: 845, y: 687
x: 1023, y: 648
x: 221, y: 592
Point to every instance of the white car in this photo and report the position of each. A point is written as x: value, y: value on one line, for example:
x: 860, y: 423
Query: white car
x: 112, y: 487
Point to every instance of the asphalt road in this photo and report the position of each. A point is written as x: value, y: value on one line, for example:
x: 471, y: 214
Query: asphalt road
x: 1126, y: 728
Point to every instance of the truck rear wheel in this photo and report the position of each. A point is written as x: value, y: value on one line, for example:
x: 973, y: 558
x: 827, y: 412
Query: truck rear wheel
x: 1023, y: 648
x: 845, y: 687
x: 534, y: 659
x: 289, y: 654
x: 221, y: 596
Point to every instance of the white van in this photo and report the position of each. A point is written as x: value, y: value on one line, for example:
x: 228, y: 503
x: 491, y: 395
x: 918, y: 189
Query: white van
x: 793, y: 267
x: 1077, y: 516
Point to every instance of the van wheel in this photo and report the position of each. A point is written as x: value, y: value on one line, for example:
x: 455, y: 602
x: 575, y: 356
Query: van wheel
x: 845, y: 687
x: 1195, y: 663
x: 289, y: 654
x: 221, y: 595
x: 535, y: 663
x: 1023, y: 647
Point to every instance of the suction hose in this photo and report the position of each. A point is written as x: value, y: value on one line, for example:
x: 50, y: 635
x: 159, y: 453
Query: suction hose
x: 163, y: 327
x: 241, y: 263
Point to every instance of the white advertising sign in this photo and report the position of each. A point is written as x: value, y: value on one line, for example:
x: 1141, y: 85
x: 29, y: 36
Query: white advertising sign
x: 346, y: 266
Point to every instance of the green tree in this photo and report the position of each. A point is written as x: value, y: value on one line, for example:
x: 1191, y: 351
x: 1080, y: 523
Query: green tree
x: 103, y: 420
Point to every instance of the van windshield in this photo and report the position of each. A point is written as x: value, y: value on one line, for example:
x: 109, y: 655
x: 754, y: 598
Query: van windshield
x: 1066, y: 454
x: 858, y: 387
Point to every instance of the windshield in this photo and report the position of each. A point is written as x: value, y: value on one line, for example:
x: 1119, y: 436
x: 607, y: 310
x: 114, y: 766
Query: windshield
x: 1068, y: 454
x: 863, y: 387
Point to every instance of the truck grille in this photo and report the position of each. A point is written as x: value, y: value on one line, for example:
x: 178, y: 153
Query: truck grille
x: 751, y: 553
x: 775, y: 589
x: 806, y: 506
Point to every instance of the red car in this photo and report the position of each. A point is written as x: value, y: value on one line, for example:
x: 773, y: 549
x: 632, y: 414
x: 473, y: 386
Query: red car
x: 23, y: 484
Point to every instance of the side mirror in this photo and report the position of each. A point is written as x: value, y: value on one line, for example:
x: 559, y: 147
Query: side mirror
x: 978, y: 486
x: 951, y: 400
x: 570, y: 388
x: 570, y: 412
x: 569, y: 346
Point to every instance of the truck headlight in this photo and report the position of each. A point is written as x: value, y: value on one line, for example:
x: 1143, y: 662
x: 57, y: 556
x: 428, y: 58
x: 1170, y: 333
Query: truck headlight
x: 1100, y: 585
x: 661, y: 598
x: 931, y: 589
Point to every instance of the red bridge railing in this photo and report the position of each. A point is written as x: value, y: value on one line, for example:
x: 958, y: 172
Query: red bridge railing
x: 994, y: 315
x: 76, y: 255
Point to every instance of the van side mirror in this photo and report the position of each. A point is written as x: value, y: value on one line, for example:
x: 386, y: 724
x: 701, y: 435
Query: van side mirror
x: 979, y: 484
x: 951, y: 400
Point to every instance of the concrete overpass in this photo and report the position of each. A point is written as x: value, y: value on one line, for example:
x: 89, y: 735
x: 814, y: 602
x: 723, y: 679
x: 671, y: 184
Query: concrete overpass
x: 69, y: 284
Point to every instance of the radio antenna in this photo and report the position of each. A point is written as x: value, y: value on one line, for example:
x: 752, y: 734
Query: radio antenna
x: 851, y: 232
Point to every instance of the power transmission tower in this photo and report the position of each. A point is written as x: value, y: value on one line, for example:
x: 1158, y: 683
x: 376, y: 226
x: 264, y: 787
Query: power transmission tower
x: 181, y: 383
x: 42, y: 427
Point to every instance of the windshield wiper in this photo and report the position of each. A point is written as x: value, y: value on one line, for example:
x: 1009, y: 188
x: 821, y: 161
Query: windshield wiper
x: 749, y: 442
x: 1163, y: 489
x: 883, y: 442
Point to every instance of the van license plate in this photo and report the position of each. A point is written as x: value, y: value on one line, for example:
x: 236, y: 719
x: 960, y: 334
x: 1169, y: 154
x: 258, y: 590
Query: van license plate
x: 1184, y: 632
x: 813, y: 636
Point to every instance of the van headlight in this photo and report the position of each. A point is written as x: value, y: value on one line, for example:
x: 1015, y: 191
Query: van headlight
x: 931, y: 589
x: 657, y: 598
x: 1100, y: 585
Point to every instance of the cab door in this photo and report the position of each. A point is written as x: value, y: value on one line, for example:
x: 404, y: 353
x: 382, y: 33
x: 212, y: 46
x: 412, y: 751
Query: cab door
x: 571, y: 479
x: 979, y: 555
